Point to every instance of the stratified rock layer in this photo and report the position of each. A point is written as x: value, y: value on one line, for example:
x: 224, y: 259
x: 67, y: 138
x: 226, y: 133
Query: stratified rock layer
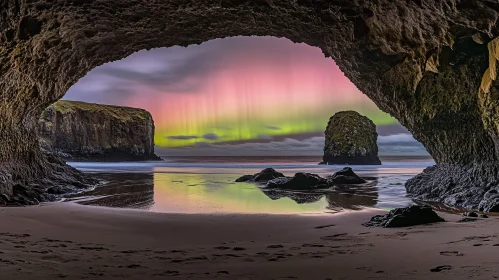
x: 350, y: 139
x: 430, y: 64
x: 86, y: 131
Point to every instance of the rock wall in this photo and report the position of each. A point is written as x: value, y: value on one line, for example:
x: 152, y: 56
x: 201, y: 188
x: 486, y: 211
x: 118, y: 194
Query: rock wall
x: 86, y: 131
x: 350, y: 138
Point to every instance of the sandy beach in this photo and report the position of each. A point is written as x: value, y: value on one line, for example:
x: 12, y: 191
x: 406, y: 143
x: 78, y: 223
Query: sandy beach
x: 66, y: 240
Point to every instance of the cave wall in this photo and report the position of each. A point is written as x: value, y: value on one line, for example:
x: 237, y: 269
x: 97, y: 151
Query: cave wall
x: 422, y: 61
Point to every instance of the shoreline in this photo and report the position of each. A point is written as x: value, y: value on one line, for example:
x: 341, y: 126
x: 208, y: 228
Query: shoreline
x: 67, y: 240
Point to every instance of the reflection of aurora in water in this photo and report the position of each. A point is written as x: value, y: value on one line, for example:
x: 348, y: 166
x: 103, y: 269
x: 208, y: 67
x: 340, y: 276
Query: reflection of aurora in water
x: 207, y: 186
x: 195, y: 193
x: 218, y: 193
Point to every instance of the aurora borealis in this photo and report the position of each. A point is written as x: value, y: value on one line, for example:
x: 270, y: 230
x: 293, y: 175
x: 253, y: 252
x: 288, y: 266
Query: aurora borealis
x: 232, y: 90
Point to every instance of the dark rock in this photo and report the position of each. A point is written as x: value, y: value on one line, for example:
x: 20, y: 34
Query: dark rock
x: 263, y: 176
x: 404, y: 217
x: 56, y: 190
x: 301, y: 181
x: 346, y: 176
x: 467, y: 220
x: 441, y: 268
x: 350, y: 139
x: 266, y: 175
x: 85, y: 131
x: 470, y: 214
x: 244, y: 178
x: 449, y: 184
x: 483, y: 216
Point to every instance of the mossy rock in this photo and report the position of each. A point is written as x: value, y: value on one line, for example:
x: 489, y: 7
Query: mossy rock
x: 351, y: 139
x: 118, y: 112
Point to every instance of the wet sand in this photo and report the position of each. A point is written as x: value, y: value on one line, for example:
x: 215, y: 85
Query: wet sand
x: 71, y: 241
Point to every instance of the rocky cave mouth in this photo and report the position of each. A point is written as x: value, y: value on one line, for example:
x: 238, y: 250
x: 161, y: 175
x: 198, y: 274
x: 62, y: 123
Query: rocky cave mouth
x: 431, y: 65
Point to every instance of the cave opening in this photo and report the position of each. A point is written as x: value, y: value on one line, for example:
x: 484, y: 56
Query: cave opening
x: 395, y: 54
x: 238, y: 96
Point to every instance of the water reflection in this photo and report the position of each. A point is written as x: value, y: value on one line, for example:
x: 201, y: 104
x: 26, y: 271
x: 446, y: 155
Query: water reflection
x: 218, y: 193
x: 352, y: 198
x: 124, y: 190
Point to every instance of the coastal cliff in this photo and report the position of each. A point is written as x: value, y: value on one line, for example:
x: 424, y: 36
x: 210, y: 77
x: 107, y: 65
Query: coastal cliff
x: 350, y: 138
x: 85, y: 131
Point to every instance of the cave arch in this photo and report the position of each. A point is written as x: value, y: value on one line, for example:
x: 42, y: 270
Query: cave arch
x: 420, y: 61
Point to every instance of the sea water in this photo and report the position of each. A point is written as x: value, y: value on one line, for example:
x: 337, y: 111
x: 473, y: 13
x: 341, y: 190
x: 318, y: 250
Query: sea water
x: 207, y: 185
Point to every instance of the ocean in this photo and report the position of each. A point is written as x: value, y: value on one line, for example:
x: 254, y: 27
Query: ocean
x: 207, y: 185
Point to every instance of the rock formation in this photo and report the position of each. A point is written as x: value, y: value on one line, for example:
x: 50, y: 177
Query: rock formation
x: 85, y: 131
x: 346, y: 176
x: 430, y: 64
x: 301, y: 181
x: 405, y: 217
x: 261, y: 177
x: 350, y: 139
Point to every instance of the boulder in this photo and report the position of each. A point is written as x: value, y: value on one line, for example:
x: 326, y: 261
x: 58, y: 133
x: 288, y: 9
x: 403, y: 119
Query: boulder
x: 346, y: 176
x: 301, y: 181
x: 244, y: 178
x: 85, y: 131
x: 467, y: 220
x: 350, y: 138
x: 263, y: 176
x: 470, y: 214
x: 404, y: 217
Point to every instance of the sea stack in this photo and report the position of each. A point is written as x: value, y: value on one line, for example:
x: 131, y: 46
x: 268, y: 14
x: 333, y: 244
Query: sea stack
x: 350, y: 139
x: 85, y: 131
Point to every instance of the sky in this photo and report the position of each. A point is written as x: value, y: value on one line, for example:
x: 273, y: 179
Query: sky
x: 238, y: 96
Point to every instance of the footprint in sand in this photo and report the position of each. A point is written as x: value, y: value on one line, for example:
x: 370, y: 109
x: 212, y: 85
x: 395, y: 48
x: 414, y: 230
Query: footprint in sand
x: 168, y: 273
x: 133, y: 266
x: 441, y: 268
x: 324, y: 226
x: 313, y: 245
x: 238, y: 249
x: 477, y: 245
x: 275, y: 246
x: 451, y: 254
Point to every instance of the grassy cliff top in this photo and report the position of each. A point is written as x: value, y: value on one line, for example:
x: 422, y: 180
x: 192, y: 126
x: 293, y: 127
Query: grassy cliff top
x: 119, y: 112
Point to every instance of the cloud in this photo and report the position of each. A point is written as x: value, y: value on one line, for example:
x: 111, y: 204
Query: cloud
x: 211, y: 136
x: 265, y: 137
x: 202, y: 145
x: 389, y: 129
x: 173, y: 70
x: 272, y: 127
x: 182, y: 137
x: 391, y: 145
x: 288, y: 146
x: 405, y: 138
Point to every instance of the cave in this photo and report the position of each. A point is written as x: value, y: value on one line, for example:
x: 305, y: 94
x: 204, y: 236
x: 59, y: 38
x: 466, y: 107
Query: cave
x: 431, y: 64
